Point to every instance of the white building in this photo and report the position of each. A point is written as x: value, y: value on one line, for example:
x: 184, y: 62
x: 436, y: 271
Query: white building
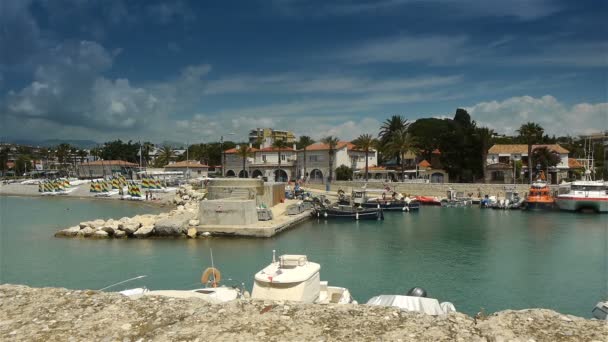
x: 189, y: 168
x: 501, y: 158
x: 263, y: 163
x: 317, y: 160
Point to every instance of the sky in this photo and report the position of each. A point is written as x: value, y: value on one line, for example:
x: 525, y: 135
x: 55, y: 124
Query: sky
x: 194, y: 71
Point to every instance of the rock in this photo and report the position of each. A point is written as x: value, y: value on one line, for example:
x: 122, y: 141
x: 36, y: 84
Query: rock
x: 173, y: 226
x: 180, y: 208
x: 186, y: 198
x: 129, y: 227
x: 72, y: 231
x: 100, y: 234
x: 119, y: 234
x: 87, y: 231
x: 192, y: 233
x: 97, y: 224
x: 84, y: 224
x: 193, y: 222
x: 109, y: 230
x: 144, y: 231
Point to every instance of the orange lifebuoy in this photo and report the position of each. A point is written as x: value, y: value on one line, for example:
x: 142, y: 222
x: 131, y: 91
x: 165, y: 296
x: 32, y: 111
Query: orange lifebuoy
x: 217, y: 276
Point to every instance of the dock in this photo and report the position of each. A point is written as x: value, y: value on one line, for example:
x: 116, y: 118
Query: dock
x: 262, y: 229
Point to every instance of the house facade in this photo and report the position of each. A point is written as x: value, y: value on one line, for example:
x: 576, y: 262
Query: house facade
x: 263, y: 163
x: 502, y: 163
x: 267, y: 136
x: 189, y: 168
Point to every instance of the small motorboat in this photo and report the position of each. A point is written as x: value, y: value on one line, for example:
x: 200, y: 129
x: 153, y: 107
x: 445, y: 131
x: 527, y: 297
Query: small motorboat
x: 393, y: 202
x: 456, y: 200
x: 428, y: 200
x: 294, y: 278
x: 348, y: 212
x: 415, y: 300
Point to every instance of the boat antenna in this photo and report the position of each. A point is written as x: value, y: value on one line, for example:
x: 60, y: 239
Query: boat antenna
x: 122, y: 282
x: 212, y: 265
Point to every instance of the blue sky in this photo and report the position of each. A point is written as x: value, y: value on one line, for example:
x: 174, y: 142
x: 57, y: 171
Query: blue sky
x: 195, y: 70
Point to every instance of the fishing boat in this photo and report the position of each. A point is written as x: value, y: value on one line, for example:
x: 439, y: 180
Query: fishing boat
x: 585, y: 195
x: 415, y: 300
x: 294, y: 278
x: 348, y: 212
x: 455, y: 200
x: 394, y: 201
x: 539, y: 197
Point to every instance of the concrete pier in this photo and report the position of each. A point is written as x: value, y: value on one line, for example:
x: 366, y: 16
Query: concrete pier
x: 281, y: 222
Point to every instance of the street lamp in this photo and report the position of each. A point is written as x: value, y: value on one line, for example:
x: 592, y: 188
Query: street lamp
x: 223, y: 154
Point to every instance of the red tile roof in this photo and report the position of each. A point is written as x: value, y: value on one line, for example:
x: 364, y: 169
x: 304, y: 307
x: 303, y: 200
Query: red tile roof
x: 322, y: 147
x: 274, y: 149
x: 188, y: 164
x: 522, y: 148
x: 110, y: 162
x: 234, y: 150
x: 574, y: 164
x: 424, y: 164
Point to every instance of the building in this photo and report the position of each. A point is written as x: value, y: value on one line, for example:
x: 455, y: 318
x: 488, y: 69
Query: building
x: 189, y: 168
x: 317, y: 160
x: 263, y: 163
x: 502, y: 160
x: 391, y: 171
x: 267, y: 136
x: 102, y: 168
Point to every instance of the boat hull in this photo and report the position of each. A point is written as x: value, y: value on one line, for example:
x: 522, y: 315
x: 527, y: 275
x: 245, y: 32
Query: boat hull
x: 365, y: 214
x: 599, y: 205
x: 539, y: 206
x: 391, y: 206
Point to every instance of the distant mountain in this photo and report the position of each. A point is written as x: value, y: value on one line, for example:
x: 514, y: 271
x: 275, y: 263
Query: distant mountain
x: 53, y: 142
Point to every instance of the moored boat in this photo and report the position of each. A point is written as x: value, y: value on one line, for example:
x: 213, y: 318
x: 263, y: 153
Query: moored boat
x: 539, y: 197
x: 585, y: 195
x: 427, y: 200
x: 348, y: 212
x: 294, y: 278
x: 415, y: 300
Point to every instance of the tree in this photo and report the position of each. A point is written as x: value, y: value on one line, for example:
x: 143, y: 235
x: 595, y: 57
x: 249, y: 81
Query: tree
x: 146, y: 148
x: 545, y: 157
x: 62, y: 152
x: 332, y: 143
x: 164, y: 156
x: 82, y: 155
x: 23, y: 164
x: 366, y: 143
x: 344, y: 172
x: 389, y: 127
x: 3, y: 158
x: 402, y: 142
x: 530, y: 133
x: 303, y: 143
x: 244, y: 151
x: 118, y: 150
x: 279, y: 145
x: 484, y: 137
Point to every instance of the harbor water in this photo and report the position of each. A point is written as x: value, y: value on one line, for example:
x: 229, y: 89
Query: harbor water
x: 475, y: 258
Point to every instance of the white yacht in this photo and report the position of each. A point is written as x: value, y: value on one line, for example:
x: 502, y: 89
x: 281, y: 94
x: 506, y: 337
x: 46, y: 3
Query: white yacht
x: 585, y: 195
x: 294, y: 278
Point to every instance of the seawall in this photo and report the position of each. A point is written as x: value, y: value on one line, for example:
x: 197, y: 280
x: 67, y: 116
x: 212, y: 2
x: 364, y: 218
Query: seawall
x: 55, y: 314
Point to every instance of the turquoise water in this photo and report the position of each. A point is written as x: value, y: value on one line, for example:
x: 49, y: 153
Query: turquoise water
x: 474, y: 258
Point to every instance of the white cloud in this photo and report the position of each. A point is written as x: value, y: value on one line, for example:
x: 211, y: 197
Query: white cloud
x: 555, y: 117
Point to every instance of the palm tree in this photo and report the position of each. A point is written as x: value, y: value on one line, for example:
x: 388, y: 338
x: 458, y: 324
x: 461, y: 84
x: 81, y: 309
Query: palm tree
x: 401, y: 143
x: 390, y: 127
x: 304, y: 142
x: 484, y: 135
x: 530, y: 133
x: 244, y: 151
x: 366, y: 143
x: 331, y: 143
x: 279, y: 144
x: 165, y: 155
x: 147, y: 147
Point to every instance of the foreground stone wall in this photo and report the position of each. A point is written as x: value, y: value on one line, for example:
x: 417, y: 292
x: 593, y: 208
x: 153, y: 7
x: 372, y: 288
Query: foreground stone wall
x: 50, y: 314
x: 430, y: 189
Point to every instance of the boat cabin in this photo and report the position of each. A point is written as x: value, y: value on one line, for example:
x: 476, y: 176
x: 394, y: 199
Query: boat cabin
x: 292, y: 278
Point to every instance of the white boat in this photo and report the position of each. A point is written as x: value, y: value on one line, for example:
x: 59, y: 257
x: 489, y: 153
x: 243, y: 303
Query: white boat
x: 585, y: 195
x: 600, y: 311
x: 416, y: 300
x: 294, y: 278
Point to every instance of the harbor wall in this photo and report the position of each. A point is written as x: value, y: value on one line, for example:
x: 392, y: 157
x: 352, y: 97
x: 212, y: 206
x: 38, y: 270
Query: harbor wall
x: 55, y: 314
x: 431, y: 189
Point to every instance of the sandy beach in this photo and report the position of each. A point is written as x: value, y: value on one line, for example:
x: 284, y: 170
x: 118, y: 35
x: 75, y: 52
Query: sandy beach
x: 78, y: 191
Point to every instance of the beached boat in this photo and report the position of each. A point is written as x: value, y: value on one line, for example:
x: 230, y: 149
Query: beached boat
x: 585, y: 195
x: 415, y: 300
x: 348, y: 212
x: 294, y: 278
x: 539, y: 197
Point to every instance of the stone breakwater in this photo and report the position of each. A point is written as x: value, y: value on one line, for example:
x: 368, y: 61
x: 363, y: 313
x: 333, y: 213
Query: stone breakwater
x: 179, y: 222
x: 53, y: 314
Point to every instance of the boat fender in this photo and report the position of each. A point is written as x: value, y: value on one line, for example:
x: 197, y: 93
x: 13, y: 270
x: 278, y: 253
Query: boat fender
x: 378, y: 205
x: 217, y: 276
x: 325, y: 214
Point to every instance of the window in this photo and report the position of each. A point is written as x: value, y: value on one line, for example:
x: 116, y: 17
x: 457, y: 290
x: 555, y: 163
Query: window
x: 282, y: 157
x: 313, y: 158
x: 264, y: 158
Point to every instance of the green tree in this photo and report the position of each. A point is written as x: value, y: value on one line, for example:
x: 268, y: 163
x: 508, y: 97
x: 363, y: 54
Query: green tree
x: 366, y: 143
x: 62, y: 152
x: 332, y: 143
x: 279, y: 145
x: 484, y: 136
x: 303, y: 144
x: 146, y: 148
x: 545, y: 157
x: 244, y: 151
x: 389, y: 127
x: 344, y: 172
x: 401, y: 143
x: 23, y: 164
x: 118, y: 150
x: 164, y: 156
x: 530, y: 133
x: 3, y: 158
